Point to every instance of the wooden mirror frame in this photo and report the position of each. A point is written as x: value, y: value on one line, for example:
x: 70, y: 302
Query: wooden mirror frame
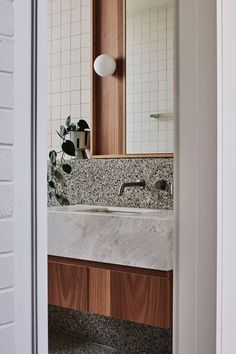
x: 108, y: 95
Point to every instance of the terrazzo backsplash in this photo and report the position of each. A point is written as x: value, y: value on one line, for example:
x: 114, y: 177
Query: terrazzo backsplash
x: 97, y: 182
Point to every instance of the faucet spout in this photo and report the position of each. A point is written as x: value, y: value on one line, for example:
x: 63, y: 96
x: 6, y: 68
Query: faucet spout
x: 124, y: 185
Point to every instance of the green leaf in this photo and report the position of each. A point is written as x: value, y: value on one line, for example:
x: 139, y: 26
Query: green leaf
x: 68, y: 147
x: 53, y: 170
x: 51, y: 184
x: 53, y: 157
x: 62, y: 200
x: 63, y: 131
x: 71, y: 128
x: 50, y: 194
x: 66, y: 168
x: 82, y: 125
x: 58, y: 175
x: 68, y: 121
x: 59, y: 134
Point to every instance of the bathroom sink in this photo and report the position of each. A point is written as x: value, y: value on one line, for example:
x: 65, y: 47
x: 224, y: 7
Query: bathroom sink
x: 108, y: 211
x: 118, y: 211
x: 126, y: 236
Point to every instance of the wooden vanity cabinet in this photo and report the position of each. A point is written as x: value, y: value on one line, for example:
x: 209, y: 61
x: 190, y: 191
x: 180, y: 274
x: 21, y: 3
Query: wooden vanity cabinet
x: 141, y: 298
x: 128, y: 293
x: 67, y: 285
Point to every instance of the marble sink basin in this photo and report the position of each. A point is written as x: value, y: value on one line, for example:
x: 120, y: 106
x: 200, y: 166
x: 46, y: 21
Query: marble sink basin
x: 107, y: 210
x: 127, y: 236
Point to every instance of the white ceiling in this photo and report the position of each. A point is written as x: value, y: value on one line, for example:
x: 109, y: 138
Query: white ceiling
x: 137, y: 5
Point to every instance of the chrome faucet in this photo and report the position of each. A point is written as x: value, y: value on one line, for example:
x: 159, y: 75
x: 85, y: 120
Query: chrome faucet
x: 124, y: 185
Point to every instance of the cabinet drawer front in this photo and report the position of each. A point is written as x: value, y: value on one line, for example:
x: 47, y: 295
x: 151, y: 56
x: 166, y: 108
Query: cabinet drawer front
x: 133, y: 294
x: 99, y: 291
x: 141, y: 298
x: 67, y: 286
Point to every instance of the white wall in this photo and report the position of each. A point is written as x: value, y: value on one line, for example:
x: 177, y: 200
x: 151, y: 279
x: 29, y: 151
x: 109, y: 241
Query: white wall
x: 149, y: 80
x: 68, y: 64
x: 7, y: 281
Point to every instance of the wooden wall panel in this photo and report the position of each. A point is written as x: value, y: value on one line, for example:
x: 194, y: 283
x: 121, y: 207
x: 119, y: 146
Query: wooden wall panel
x: 68, y: 286
x: 141, y: 298
x: 108, y: 119
x: 99, y: 291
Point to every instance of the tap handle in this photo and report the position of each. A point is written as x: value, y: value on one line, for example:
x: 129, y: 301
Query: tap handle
x: 161, y: 185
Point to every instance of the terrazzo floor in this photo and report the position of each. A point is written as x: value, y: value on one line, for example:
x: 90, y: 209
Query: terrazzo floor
x: 75, y: 332
x: 59, y: 344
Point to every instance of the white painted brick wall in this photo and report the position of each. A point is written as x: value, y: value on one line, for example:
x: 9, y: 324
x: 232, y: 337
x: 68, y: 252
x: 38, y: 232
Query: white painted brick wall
x: 6, y: 55
x: 7, y: 345
x: 6, y: 18
x: 6, y: 200
x: 6, y: 91
x: 6, y: 130
x: 6, y: 236
x: 7, y: 271
x: 6, y: 158
x: 6, y: 338
x: 6, y: 307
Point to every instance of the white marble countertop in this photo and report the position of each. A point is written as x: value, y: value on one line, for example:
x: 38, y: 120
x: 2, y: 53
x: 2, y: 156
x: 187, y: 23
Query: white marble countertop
x: 125, y: 236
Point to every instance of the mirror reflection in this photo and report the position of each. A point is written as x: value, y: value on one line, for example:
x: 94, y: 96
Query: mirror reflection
x: 149, y: 76
x: 136, y: 117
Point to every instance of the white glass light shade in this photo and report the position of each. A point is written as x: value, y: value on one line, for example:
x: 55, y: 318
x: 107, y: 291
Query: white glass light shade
x: 104, y: 65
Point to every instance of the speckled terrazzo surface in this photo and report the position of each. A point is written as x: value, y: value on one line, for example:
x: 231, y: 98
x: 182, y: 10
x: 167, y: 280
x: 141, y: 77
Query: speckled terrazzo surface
x: 59, y: 344
x: 122, y: 336
x: 97, y: 182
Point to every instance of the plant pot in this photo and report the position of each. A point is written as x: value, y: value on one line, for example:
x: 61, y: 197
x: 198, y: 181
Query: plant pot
x: 81, y: 140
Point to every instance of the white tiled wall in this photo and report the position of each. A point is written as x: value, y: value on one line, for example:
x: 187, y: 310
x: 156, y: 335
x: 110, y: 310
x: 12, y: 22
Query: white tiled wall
x: 69, y: 64
x: 7, y: 311
x: 149, y: 58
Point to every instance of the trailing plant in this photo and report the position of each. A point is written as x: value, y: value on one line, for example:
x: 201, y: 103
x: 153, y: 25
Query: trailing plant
x: 58, y: 163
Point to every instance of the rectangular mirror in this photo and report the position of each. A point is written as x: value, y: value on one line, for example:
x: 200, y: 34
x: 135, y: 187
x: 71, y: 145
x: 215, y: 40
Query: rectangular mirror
x: 133, y: 109
x: 130, y: 112
x: 149, y: 76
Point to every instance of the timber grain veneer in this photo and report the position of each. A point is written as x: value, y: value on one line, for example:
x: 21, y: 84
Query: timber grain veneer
x: 128, y: 293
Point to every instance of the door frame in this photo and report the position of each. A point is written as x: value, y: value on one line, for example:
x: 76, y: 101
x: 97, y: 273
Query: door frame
x: 219, y: 176
x: 41, y: 209
x: 39, y: 63
x: 196, y: 180
x: 30, y: 182
x: 226, y: 241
